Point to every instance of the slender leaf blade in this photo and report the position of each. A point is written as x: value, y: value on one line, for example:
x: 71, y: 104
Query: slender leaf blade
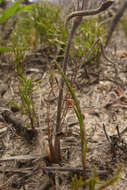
x: 10, y: 11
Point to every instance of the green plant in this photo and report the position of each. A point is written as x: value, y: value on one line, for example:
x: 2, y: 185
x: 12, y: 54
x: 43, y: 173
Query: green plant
x: 45, y: 18
x: 94, y: 183
x: 9, y: 15
x: 25, y: 90
x: 6, y: 13
x: 79, y: 115
x: 76, y: 183
x: 42, y: 24
x: 84, y: 39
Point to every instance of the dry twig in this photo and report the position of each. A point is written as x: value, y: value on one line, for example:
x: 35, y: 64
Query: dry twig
x: 115, y: 21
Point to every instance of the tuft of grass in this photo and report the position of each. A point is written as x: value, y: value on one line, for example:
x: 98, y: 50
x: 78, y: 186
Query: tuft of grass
x: 87, y: 34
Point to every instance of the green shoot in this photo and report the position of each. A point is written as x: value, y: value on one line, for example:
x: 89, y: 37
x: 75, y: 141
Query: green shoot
x: 79, y: 115
x: 25, y: 90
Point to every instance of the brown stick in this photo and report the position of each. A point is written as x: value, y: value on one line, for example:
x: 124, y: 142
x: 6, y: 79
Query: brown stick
x: 115, y: 21
x: 85, y: 13
x: 18, y: 125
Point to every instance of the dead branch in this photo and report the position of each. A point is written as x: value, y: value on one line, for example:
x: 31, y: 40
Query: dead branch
x: 115, y: 21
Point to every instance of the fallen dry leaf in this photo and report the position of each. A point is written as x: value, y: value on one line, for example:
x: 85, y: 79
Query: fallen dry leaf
x: 118, y: 91
x: 123, y: 99
x: 123, y: 55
